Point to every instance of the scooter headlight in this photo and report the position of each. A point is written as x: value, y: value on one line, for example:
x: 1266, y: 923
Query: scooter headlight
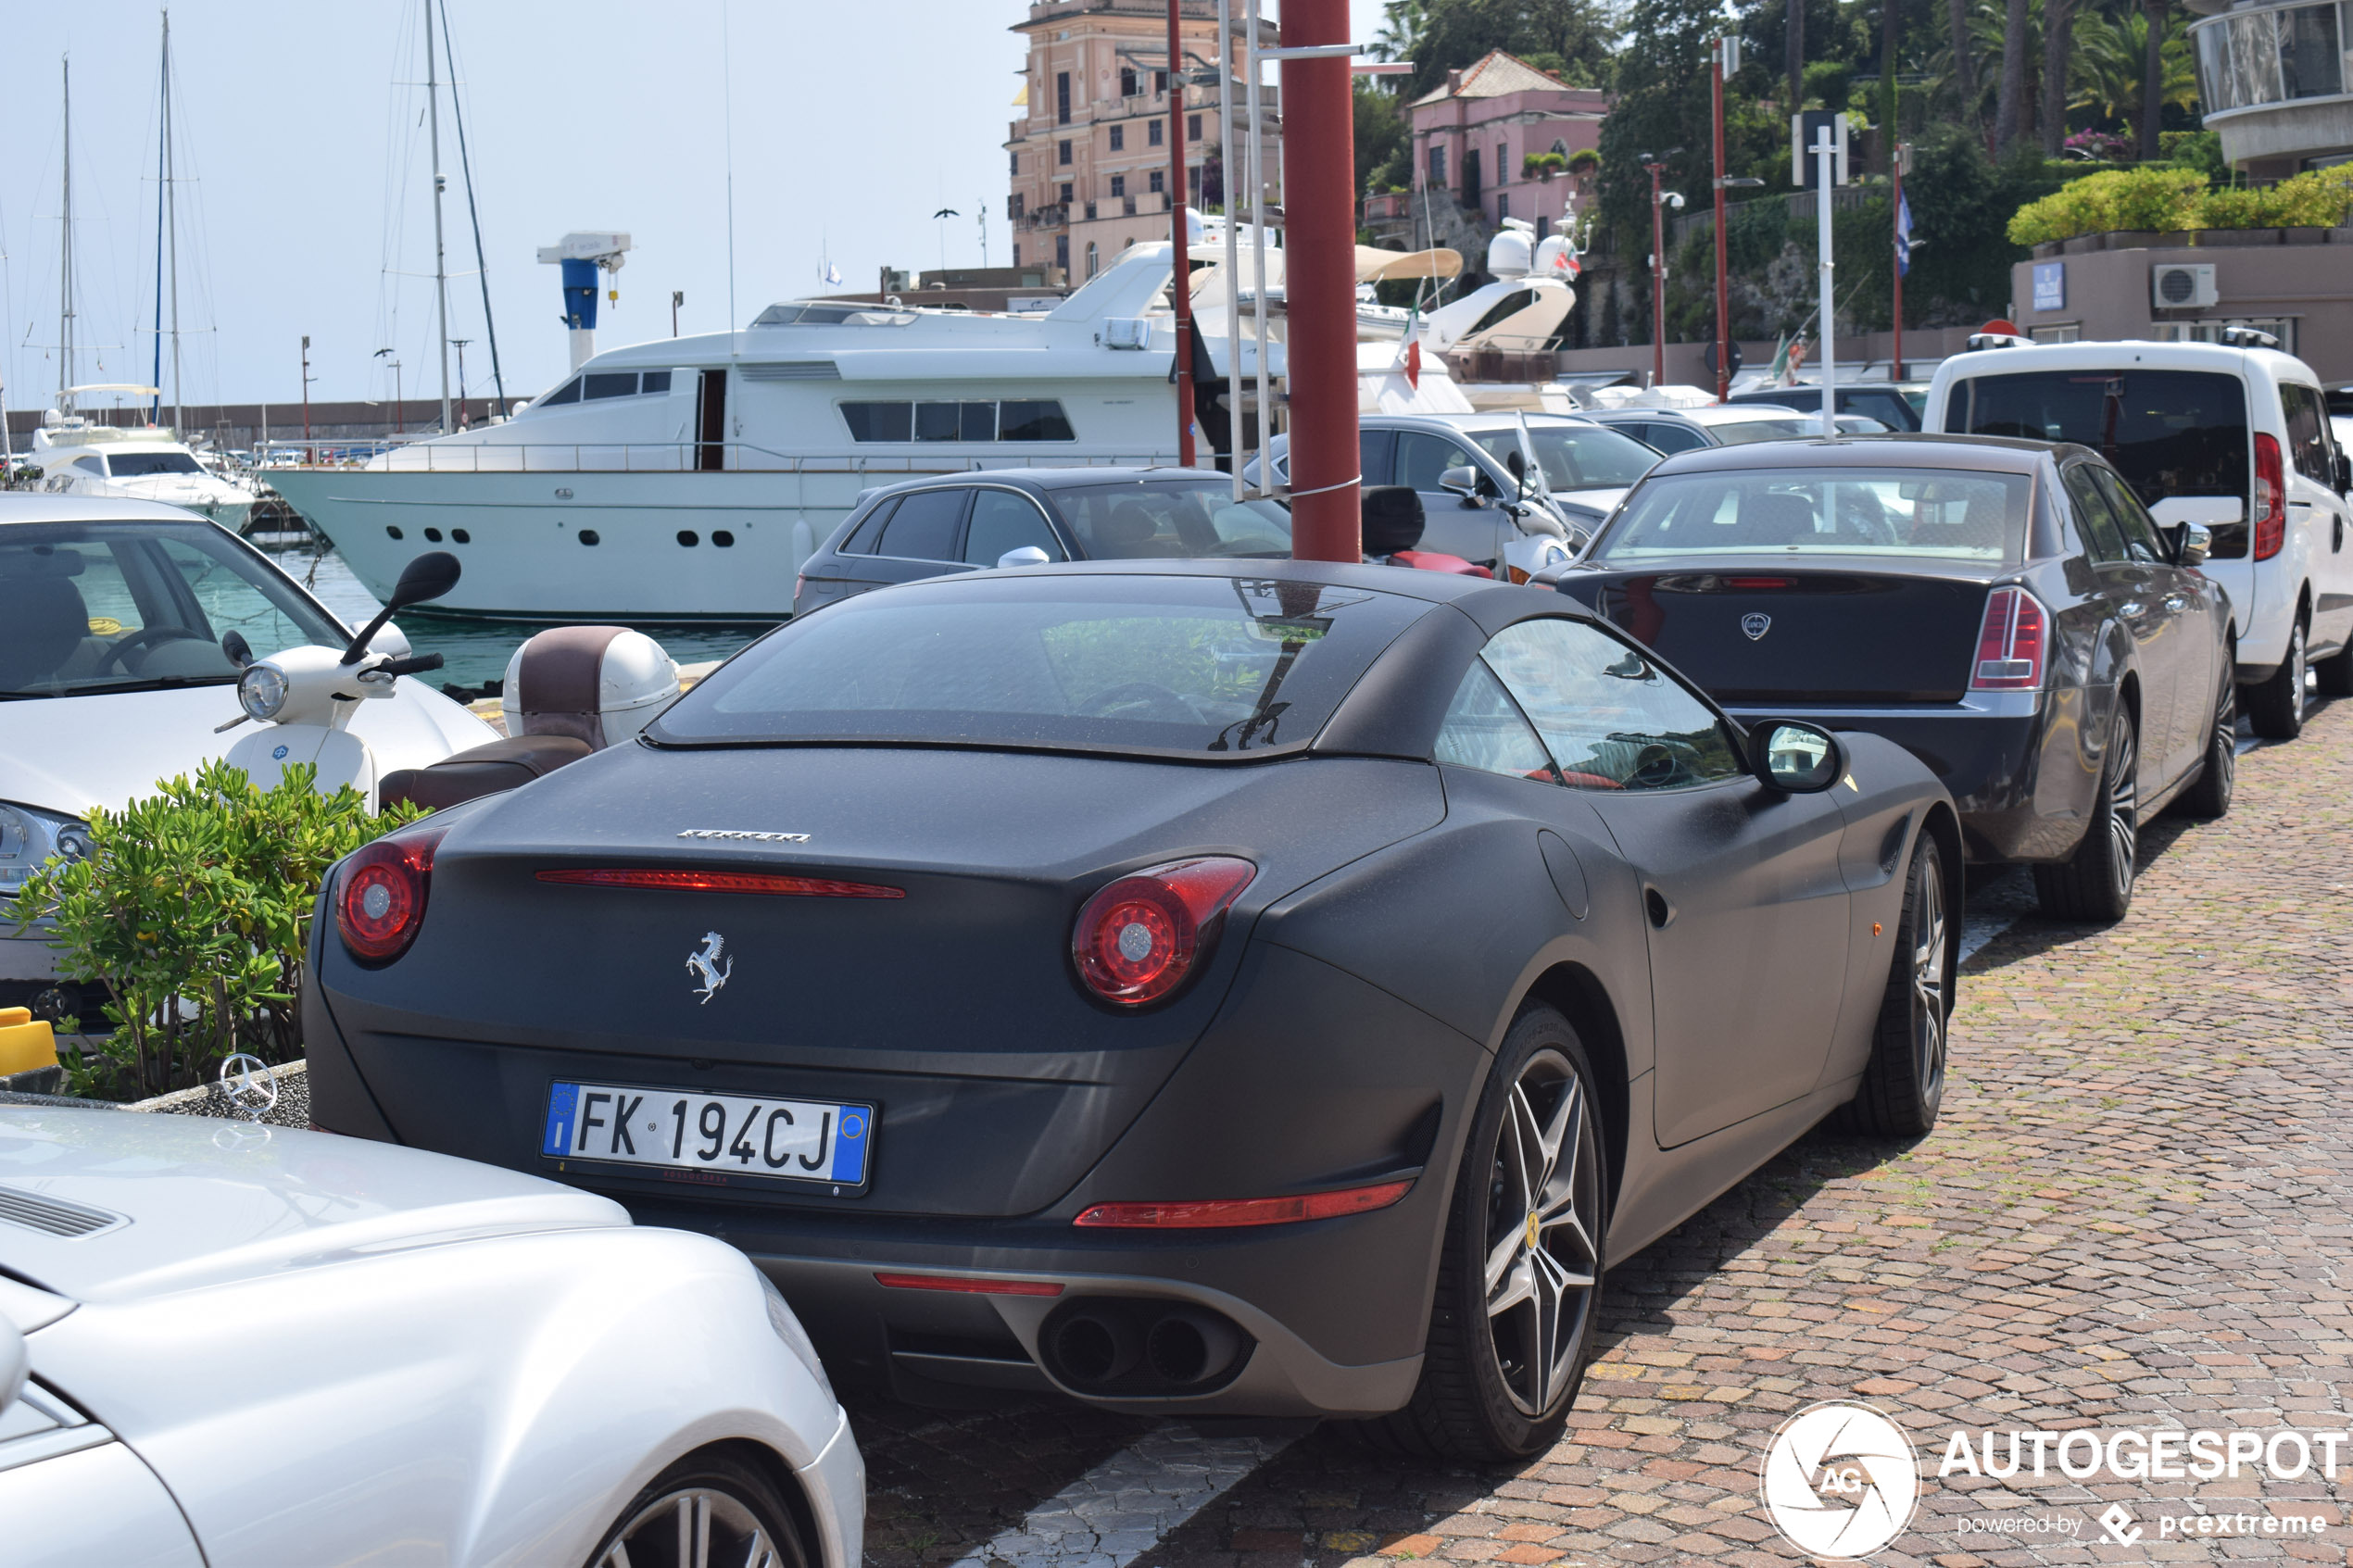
x: 261, y: 692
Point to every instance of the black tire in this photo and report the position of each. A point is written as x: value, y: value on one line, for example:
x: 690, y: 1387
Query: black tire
x: 2276, y: 707
x: 1904, y: 1082
x: 740, y: 1499
x: 2334, y: 674
x: 2208, y: 797
x: 1497, y: 1381
x: 2094, y: 884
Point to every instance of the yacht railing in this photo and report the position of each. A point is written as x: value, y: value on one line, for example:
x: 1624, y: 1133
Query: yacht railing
x: 689, y: 457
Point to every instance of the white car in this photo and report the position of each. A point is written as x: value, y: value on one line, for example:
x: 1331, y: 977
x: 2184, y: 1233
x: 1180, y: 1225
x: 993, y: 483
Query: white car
x: 112, y: 677
x: 251, y: 1346
x: 2235, y: 439
x: 1714, y: 424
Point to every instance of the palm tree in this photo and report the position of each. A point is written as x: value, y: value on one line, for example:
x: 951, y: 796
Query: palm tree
x: 2153, y: 72
x: 2059, y: 26
x: 1964, y: 59
x: 2010, y: 110
x: 2110, y: 73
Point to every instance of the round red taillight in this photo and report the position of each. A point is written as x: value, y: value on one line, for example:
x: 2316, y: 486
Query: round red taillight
x: 1138, y: 938
x: 382, y: 900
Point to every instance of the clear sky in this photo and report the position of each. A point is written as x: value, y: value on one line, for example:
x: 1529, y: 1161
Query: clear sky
x: 298, y: 125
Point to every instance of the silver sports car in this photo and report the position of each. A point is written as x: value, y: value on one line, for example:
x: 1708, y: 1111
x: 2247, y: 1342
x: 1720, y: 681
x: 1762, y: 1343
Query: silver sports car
x: 230, y: 1346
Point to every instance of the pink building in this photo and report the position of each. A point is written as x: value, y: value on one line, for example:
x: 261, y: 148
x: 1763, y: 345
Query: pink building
x: 1472, y: 136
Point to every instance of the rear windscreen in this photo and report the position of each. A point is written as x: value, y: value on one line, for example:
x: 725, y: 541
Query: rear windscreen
x: 1942, y: 513
x: 2169, y: 433
x: 1237, y: 666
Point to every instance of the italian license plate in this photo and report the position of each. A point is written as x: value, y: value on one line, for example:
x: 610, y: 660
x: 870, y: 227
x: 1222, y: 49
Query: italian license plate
x: 821, y: 1142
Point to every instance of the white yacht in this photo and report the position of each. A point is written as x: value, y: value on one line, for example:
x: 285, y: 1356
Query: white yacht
x: 79, y: 456
x: 688, y: 478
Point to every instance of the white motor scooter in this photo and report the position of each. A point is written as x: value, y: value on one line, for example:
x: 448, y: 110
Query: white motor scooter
x: 305, y: 698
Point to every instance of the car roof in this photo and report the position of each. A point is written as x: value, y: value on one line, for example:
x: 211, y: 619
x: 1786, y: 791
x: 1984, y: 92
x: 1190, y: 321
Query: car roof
x: 36, y: 507
x: 1434, y: 588
x: 1998, y: 453
x: 2021, y: 358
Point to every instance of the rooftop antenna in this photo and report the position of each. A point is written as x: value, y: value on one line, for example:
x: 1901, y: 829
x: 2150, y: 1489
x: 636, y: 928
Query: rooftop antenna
x: 727, y: 118
x: 65, y: 254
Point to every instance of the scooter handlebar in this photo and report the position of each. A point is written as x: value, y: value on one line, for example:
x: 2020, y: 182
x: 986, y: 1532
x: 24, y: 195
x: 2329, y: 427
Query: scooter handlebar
x: 415, y: 665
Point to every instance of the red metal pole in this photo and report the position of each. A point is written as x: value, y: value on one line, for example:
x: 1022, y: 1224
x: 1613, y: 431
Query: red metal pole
x: 1723, y: 277
x: 1896, y: 166
x: 1180, y: 232
x: 1658, y: 279
x: 1319, y: 257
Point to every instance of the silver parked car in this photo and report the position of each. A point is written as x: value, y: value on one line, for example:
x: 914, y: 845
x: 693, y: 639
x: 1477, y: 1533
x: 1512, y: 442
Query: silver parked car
x: 232, y: 1346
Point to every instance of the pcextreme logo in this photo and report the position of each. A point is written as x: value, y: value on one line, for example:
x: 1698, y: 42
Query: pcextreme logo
x: 1840, y: 1480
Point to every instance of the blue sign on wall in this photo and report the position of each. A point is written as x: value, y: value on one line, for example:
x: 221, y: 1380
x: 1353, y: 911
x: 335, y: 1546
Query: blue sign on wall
x: 2050, y: 286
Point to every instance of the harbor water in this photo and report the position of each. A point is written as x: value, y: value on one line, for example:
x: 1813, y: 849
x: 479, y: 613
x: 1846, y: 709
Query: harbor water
x: 476, y: 651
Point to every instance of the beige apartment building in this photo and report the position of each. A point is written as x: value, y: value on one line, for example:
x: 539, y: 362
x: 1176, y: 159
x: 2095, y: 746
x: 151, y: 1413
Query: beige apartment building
x: 1090, y: 160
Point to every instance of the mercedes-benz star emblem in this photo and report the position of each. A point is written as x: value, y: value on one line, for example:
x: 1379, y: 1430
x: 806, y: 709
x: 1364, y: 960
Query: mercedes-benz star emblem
x: 1755, y: 623
x: 250, y: 1085
x: 705, y: 962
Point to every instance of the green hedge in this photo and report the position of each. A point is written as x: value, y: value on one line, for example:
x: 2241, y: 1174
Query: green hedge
x: 2165, y: 200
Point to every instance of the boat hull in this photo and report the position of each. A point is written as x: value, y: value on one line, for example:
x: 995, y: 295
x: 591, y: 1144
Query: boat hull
x: 522, y: 537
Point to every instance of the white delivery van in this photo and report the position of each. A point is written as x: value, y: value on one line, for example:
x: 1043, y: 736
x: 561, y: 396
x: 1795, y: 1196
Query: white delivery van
x: 2235, y: 438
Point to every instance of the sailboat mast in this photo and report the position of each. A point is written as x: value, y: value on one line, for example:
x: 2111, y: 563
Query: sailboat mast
x: 465, y: 163
x: 163, y: 136
x: 65, y: 254
x: 440, y: 261
x: 172, y: 194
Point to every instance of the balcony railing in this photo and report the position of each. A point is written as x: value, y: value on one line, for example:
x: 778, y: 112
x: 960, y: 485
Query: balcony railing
x: 2271, y: 55
x: 735, y: 457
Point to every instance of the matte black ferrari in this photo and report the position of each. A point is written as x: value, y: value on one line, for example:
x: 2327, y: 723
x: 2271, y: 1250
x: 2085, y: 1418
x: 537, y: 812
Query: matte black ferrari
x: 2006, y: 610
x: 1193, y: 989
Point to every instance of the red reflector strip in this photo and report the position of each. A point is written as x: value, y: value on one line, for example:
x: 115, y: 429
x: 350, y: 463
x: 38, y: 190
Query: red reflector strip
x: 1757, y: 581
x: 726, y: 881
x: 969, y: 1284
x: 1217, y: 1213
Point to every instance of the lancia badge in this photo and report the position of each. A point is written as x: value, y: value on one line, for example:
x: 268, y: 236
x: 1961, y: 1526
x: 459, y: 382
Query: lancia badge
x: 705, y: 963
x: 1755, y: 623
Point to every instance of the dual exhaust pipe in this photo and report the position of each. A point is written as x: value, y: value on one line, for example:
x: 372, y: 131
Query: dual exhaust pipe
x: 1108, y: 1345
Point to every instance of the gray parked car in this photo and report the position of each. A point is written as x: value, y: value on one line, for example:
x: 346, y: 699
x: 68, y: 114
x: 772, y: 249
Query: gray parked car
x: 1467, y: 469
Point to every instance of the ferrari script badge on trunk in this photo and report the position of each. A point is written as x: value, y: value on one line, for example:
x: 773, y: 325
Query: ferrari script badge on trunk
x: 706, y: 964
x: 1755, y: 623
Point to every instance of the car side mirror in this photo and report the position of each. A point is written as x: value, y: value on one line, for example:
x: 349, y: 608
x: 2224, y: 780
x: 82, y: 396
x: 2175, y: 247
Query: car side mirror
x: 1026, y: 555
x: 2193, y: 541
x: 1463, y: 481
x: 2344, y: 474
x: 1795, y: 759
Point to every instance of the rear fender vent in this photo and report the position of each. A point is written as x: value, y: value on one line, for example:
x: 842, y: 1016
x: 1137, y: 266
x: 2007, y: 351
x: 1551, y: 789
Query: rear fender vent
x: 55, y: 1216
x: 789, y: 369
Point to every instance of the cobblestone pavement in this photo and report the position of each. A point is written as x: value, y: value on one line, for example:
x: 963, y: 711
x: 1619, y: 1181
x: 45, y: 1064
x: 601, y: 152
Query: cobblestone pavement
x: 2132, y: 1214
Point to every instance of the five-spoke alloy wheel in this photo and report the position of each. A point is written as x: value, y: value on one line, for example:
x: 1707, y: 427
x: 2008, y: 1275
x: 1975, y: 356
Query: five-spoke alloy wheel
x: 1512, y: 1325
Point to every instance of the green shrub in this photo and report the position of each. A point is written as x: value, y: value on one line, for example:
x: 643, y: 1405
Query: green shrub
x: 2319, y: 198
x: 2235, y: 206
x: 2159, y: 199
x: 1543, y: 165
x: 192, y: 910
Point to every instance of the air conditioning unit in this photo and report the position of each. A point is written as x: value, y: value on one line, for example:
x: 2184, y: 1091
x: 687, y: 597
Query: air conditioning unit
x: 2182, y: 287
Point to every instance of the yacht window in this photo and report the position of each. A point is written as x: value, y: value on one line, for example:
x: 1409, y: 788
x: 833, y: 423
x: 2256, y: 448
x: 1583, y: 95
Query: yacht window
x: 92, y: 464
x: 132, y: 465
x: 1039, y: 420
x: 880, y: 422
x: 972, y: 420
x: 656, y: 381
x: 568, y: 393
x: 806, y: 315
x: 610, y: 384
